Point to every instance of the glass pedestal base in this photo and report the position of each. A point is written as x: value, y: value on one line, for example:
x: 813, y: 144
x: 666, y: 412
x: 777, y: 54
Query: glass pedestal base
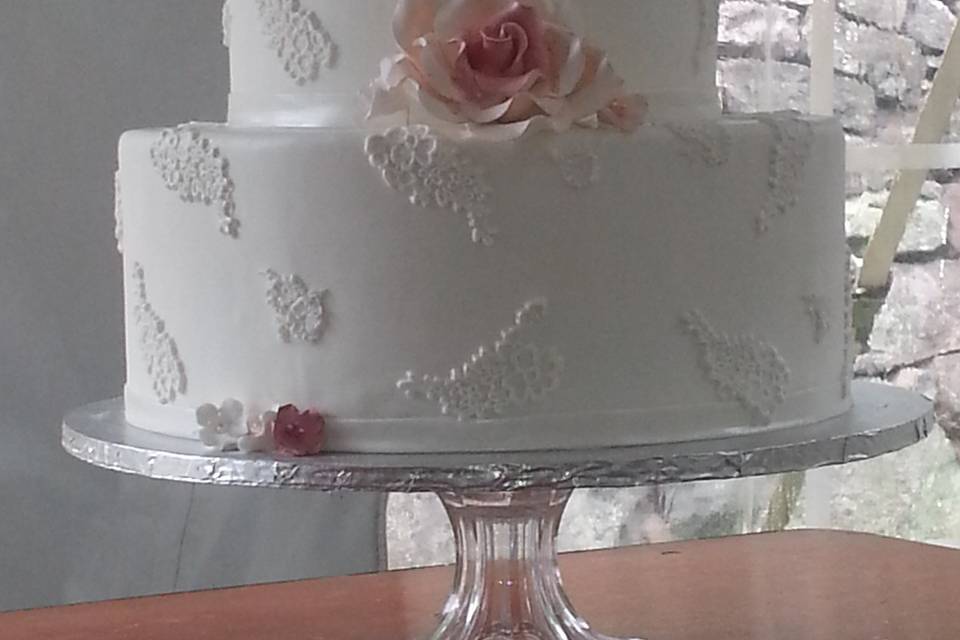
x: 508, y: 585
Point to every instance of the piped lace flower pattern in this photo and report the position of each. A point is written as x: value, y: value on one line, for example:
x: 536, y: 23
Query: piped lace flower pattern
x: 193, y: 166
x: 705, y: 141
x: 816, y: 309
x: 789, y: 156
x: 579, y: 168
x: 432, y: 173
x: 162, y: 359
x: 300, y: 311
x: 511, y: 373
x: 299, y: 38
x: 118, y: 211
x: 741, y: 368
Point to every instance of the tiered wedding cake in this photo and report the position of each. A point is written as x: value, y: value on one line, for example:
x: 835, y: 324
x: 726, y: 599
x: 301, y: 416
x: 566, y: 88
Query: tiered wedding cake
x: 460, y: 225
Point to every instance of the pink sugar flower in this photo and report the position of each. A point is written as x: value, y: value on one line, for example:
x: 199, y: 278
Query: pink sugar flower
x: 499, y: 68
x: 299, y: 433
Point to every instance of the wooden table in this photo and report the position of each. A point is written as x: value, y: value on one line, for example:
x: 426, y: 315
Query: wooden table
x: 788, y: 586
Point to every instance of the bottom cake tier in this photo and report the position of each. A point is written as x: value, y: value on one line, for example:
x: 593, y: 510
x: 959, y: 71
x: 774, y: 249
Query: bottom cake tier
x: 422, y: 294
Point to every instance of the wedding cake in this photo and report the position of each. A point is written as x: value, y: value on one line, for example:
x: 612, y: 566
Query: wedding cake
x: 481, y: 225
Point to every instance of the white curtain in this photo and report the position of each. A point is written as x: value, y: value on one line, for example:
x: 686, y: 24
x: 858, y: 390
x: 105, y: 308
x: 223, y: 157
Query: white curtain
x: 74, y: 74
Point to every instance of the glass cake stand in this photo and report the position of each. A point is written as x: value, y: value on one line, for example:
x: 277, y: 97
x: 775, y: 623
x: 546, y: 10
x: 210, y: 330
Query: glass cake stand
x: 506, y: 508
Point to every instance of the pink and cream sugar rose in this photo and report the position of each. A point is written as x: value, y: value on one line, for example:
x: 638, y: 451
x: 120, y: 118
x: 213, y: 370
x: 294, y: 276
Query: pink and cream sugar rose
x: 499, y: 68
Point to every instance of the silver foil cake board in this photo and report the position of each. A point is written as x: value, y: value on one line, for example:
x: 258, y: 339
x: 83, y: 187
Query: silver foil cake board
x: 885, y: 419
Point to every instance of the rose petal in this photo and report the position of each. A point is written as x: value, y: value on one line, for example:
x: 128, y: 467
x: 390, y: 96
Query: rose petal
x: 438, y: 75
x: 550, y: 105
x: 520, y: 61
x: 568, y: 61
x: 510, y: 131
x: 530, y: 21
x: 485, y: 115
x: 457, y: 17
x: 523, y: 107
x: 592, y: 97
x: 502, y: 88
x: 498, y: 53
x: 396, y: 69
x: 437, y: 107
x: 412, y: 20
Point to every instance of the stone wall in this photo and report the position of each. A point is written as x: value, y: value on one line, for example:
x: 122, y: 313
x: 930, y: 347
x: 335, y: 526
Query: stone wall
x: 887, y: 53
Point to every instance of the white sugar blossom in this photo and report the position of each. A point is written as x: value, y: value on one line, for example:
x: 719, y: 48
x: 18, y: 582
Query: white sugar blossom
x: 221, y: 427
x: 228, y: 428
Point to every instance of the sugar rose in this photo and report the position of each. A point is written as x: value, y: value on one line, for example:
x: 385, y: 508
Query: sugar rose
x: 499, y: 68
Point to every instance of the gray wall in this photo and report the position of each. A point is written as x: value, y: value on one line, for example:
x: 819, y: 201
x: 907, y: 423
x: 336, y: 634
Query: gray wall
x: 74, y: 74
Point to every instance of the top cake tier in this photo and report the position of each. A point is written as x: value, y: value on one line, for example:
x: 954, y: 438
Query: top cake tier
x: 307, y: 62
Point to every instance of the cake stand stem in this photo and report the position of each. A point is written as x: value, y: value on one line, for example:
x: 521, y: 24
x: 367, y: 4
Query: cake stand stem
x: 507, y: 584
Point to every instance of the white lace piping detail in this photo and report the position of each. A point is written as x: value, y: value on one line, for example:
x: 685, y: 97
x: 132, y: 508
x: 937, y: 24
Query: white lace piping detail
x: 299, y: 38
x: 193, y: 166
x: 300, y: 311
x: 706, y: 141
x: 432, y: 173
x: 162, y: 359
x: 741, y: 368
x: 511, y: 373
x: 789, y: 155
x: 579, y: 168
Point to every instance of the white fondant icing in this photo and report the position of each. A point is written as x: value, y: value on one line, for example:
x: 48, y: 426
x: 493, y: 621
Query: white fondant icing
x: 637, y: 35
x: 664, y: 235
x: 816, y: 310
x: 574, y: 430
